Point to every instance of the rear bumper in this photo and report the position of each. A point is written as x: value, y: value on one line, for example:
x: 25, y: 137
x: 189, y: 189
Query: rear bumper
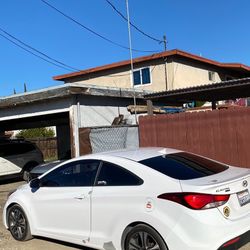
x: 207, y: 230
x: 236, y: 242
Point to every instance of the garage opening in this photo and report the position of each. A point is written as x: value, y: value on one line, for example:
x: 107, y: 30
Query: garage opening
x: 61, y: 143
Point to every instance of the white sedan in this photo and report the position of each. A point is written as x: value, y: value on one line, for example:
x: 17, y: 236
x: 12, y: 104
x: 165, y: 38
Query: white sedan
x: 150, y: 198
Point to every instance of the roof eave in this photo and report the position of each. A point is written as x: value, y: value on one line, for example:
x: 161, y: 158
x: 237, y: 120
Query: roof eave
x: 150, y: 58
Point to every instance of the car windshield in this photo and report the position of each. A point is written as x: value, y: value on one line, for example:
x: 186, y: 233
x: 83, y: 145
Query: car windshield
x: 184, y: 166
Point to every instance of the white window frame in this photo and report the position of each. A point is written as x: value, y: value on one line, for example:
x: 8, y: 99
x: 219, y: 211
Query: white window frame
x: 212, y: 73
x: 141, y: 84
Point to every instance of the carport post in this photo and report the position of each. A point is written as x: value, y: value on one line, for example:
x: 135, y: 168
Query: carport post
x: 150, y: 107
x: 213, y: 104
x: 74, y: 127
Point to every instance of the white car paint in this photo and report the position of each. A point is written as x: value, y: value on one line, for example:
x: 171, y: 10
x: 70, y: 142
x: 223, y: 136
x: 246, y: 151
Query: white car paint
x: 16, y: 155
x: 8, y: 168
x: 97, y: 216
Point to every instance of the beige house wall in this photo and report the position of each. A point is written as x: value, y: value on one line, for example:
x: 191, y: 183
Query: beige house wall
x: 183, y: 75
x: 180, y: 74
x: 122, y: 79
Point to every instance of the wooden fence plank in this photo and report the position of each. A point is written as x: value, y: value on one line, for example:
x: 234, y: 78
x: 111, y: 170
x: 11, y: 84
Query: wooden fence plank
x: 222, y: 135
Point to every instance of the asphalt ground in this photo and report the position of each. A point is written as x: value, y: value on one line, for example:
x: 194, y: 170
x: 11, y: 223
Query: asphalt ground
x: 38, y: 243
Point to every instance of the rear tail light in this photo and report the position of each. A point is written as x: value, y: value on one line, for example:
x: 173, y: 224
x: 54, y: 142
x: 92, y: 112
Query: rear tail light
x: 196, y: 200
x: 231, y: 242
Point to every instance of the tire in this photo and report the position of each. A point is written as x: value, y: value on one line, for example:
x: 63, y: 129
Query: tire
x: 144, y: 237
x: 18, y: 223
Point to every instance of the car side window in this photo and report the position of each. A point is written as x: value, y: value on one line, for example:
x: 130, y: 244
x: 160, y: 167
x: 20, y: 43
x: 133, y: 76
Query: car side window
x: 74, y: 174
x: 113, y: 175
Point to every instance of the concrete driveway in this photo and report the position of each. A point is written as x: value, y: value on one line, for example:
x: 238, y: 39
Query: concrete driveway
x: 8, y: 243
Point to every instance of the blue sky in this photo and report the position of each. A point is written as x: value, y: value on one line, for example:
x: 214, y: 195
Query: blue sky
x: 215, y: 29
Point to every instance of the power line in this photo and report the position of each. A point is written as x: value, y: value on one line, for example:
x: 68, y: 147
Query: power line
x: 139, y: 30
x: 18, y: 45
x: 37, y: 51
x: 94, y: 32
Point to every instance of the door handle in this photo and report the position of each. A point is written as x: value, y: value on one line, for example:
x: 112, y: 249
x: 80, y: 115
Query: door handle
x: 79, y: 197
x: 101, y: 183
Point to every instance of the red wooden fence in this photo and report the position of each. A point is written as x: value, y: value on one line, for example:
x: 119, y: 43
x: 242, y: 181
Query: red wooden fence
x: 223, y: 135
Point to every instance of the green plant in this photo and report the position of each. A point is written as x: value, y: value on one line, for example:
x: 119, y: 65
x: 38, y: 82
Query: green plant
x: 36, y: 133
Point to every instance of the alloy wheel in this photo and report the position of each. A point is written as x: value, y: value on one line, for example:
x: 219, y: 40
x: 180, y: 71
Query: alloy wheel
x: 17, y: 223
x: 142, y: 241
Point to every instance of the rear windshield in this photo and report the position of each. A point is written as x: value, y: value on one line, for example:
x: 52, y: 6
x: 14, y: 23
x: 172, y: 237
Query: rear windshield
x: 184, y: 166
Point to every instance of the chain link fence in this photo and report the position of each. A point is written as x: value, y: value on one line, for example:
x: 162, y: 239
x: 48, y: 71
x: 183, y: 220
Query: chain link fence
x: 101, y: 139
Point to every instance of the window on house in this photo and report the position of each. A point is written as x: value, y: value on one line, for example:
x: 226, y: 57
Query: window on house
x: 211, y: 76
x: 141, y: 76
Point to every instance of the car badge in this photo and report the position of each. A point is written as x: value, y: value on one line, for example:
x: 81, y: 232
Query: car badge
x: 244, y: 183
x: 226, y: 211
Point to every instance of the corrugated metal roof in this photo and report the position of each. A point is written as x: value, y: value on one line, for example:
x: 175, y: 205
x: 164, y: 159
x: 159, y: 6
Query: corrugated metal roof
x: 225, y: 90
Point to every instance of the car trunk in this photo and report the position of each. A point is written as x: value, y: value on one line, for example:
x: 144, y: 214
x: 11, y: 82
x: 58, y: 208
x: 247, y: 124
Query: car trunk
x: 233, y: 181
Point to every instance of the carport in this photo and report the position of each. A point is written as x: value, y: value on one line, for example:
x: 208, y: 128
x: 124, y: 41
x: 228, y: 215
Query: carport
x: 69, y: 107
x: 226, y: 90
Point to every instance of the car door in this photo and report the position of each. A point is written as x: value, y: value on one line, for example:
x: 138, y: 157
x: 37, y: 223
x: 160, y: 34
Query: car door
x: 116, y: 197
x: 61, y: 206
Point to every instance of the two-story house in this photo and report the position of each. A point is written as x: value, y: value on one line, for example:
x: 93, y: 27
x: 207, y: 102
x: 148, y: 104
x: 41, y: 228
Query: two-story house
x: 168, y: 70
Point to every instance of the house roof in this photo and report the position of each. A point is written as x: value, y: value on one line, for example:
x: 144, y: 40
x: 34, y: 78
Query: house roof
x: 65, y: 90
x: 226, y: 90
x: 176, y: 52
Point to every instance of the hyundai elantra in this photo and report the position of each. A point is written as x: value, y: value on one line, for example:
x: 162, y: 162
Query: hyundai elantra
x: 150, y: 198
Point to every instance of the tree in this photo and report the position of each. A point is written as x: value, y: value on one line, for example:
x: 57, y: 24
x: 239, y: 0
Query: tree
x: 36, y: 133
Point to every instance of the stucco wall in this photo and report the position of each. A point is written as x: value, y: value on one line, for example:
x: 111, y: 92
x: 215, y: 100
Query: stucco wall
x: 181, y: 73
x: 35, y: 109
x: 122, y: 78
x: 101, y: 111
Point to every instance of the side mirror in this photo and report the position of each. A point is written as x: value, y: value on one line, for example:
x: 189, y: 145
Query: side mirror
x: 35, y: 183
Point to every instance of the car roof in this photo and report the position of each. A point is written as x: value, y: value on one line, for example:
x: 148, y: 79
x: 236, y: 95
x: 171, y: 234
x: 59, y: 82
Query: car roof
x: 139, y: 154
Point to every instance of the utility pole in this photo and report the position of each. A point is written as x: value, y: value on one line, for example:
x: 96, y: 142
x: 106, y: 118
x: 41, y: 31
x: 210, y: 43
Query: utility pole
x: 25, y: 87
x: 165, y: 42
x: 165, y: 61
x: 131, y: 59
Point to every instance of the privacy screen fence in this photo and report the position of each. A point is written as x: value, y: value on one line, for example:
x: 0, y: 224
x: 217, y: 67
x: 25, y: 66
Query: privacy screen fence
x: 48, y: 146
x: 102, y: 139
x: 223, y: 135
